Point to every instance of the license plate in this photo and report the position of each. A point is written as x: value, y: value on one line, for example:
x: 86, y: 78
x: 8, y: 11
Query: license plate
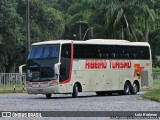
x: 40, y: 90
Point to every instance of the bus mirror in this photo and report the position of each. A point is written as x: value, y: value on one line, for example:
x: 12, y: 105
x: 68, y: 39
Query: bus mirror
x: 56, y: 68
x: 21, y: 69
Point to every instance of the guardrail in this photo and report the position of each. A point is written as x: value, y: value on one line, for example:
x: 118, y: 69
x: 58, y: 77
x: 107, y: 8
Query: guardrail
x: 15, y: 82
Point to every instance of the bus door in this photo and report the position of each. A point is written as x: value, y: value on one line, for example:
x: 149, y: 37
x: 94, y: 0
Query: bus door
x: 65, y: 65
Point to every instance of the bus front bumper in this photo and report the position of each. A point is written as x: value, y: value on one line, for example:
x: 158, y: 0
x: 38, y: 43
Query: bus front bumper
x: 43, y: 90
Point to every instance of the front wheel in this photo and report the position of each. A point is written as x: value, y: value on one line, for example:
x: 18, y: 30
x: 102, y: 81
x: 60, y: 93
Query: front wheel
x: 134, y: 88
x: 48, y: 96
x: 75, y: 91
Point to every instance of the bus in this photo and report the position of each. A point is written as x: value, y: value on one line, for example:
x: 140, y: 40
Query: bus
x: 103, y: 66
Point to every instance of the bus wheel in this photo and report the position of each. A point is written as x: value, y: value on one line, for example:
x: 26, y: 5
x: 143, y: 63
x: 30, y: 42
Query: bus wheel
x: 101, y: 93
x: 75, y: 91
x: 48, y: 96
x: 134, y: 88
x: 126, y: 88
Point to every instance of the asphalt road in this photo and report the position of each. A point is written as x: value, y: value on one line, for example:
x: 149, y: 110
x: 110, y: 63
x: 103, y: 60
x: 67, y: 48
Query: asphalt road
x: 85, y: 102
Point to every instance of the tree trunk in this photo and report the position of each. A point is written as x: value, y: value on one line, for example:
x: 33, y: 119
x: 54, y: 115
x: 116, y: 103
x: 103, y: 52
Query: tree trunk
x: 9, y: 65
x: 146, y: 29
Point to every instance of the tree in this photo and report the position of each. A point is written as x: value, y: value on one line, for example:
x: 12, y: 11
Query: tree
x: 46, y: 23
x: 11, y: 35
x: 145, y: 8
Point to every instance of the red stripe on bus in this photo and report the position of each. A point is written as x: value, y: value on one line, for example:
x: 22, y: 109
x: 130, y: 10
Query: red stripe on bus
x: 44, y: 82
x: 34, y: 83
x: 54, y: 81
x: 72, y: 53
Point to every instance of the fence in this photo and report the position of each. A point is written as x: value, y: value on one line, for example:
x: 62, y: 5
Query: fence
x: 15, y: 82
x: 12, y: 82
x: 156, y: 79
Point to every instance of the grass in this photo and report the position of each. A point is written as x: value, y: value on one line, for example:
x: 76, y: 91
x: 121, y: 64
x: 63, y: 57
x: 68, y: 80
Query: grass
x: 153, y: 93
x: 12, y: 91
x: 12, y: 88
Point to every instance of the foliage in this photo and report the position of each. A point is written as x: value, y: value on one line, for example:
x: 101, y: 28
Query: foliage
x: 134, y: 20
x: 114, y: 18
x: 46, y: 23
x: 11, y: 34
x: 156, y: 69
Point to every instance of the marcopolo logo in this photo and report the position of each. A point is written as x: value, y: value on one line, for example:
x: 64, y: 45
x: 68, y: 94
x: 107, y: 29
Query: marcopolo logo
x: 138, y: 70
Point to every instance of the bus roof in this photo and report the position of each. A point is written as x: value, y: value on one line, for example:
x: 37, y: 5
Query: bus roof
x: 52, y: 42
x: 95, y: 41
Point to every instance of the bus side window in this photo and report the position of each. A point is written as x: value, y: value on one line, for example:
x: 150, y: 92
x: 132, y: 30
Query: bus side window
x: 126, y: 55
x: 99, y: 54
x: 113, y: 55
x: 105, y: 55
x: 133, y: 56
x: 66, y: 54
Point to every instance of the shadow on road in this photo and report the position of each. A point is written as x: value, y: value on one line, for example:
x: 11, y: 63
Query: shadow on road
x: 82, y: 95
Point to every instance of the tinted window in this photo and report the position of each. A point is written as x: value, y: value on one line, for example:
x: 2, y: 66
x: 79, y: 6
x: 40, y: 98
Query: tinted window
x: 66, y: 51
x: 65, y: 62
x: 46, y: 51
x: 79, y: 51
x: 111, y: 52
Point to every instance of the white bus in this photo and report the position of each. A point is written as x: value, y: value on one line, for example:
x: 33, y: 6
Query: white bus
x: 97, y: 65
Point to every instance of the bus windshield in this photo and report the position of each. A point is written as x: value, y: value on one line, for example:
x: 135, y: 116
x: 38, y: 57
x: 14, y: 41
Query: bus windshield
x: 46, y: 51
x: 41, y: 61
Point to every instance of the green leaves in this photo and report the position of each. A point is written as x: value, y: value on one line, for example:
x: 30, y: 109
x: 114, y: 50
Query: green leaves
x: 134, y: 20
x: 46, y: 23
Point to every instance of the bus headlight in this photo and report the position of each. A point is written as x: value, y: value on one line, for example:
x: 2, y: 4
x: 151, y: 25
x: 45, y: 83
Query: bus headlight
x: 53, y: 83
x: 28, y: 84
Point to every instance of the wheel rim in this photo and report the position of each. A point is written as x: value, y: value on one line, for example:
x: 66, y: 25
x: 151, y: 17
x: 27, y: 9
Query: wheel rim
x: 127, y: 88
x: 135, y: 87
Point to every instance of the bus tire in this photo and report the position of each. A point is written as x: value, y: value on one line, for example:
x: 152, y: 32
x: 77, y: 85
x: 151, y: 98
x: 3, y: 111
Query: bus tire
x: 134, y: 88
x: 48, y: 96
x: 75, y: 91
x: 127, y: 88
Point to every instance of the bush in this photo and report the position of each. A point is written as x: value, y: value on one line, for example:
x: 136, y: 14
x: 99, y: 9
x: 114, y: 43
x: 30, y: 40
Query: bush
x: 157, y: 69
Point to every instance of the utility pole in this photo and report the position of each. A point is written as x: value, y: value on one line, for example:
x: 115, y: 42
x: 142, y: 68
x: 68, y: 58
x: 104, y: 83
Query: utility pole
x: 92, y: 34
x: 90, y: 28
x: 27, y: 30
x: 80, y: 31
x: 81, y: 28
